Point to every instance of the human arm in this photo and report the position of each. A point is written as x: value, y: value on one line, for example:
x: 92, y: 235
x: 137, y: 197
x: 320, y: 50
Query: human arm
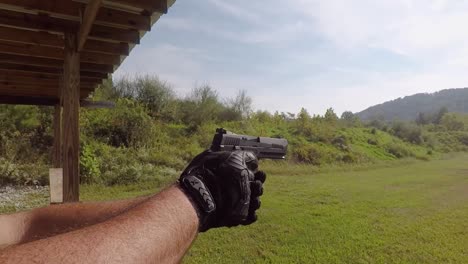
x: 47, y: 221
x: 158, y: 230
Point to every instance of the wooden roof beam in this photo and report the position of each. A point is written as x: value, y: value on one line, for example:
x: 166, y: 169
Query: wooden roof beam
x: 50, y: 71
x: 55, y: 53
x: 28, y: 100
x: 56, y: 40
x: 149, y: 6
x: 52, y: 63
x: 46, y: 23
x: 89, y: 16
x: 32, y: 90
x: 71, y: 10
x: 49, y: 101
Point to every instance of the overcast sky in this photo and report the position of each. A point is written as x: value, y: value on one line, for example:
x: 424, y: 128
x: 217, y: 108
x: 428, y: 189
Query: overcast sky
x: 315, y: 54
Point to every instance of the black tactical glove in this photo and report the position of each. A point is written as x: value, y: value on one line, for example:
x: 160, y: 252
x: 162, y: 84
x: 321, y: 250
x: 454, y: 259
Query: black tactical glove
x: 225, y: 188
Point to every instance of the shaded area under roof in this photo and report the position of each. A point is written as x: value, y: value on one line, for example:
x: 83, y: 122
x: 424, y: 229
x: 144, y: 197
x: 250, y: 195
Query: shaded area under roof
x: 32, y: 43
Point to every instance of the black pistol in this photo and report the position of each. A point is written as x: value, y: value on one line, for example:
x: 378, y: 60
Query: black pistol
x: 262, y: 147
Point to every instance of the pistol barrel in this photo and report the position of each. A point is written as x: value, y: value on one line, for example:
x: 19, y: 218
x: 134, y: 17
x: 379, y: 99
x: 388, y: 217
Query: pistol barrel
x: 262, y: 147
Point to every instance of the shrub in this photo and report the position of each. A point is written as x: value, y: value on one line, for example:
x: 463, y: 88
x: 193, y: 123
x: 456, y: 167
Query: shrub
x: 89, y: 164
x: 398, y: 150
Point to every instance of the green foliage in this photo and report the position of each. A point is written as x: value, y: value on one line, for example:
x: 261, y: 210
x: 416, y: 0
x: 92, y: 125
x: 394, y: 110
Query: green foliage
x: 452, y: 122
x: 349, y: 119
x: 89, y: 164
x: 407, y: 131
x: 128, y: 124
x: 151, y: 134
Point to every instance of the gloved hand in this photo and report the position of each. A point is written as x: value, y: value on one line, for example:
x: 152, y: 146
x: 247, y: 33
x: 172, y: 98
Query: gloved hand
x: 225, y: 188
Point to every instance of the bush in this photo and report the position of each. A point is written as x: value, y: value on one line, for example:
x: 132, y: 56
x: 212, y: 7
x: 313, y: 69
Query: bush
x: 23, y: 174
x: 399, y: 150
x: 408, y: 132
x: 89, y: 164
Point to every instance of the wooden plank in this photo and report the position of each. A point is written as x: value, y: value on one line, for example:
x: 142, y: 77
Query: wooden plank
x: 38, y: 90
x: 47, y: 85
x: 9, y: 75
x: 28, y: 90
x: 72, y: 10
x: 27, y: 100
x: 56, y: 40
x: 71, y: 106
x: 90, y: 13
x: 99, y: 58
x: 31, y: 37
x: 34, y: 100
x: 151, y: 6
x: 54, y: 53
x: 101, y: 68
x: 58, y: 25
x: 122, y: 35
x: 52, y: 63
x: 107, y: 47
x: 57, y: 145
x: 50, y: 71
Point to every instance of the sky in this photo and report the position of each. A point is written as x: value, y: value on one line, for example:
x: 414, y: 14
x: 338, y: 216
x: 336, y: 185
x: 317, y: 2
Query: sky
x: 315, y: 54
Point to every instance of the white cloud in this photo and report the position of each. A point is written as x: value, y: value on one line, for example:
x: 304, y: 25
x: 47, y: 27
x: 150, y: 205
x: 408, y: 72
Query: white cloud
x: 179, y: 66
x: 411, y: 28
x: 240, y: 11
x: 430, y: 34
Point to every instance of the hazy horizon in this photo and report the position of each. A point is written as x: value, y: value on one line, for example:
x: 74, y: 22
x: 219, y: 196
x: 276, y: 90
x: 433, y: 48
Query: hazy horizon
x: 312, y: 54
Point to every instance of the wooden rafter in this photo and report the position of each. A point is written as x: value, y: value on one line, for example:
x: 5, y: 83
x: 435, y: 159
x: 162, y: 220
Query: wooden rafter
x: 59, y: 25
x: 72, y: 10
x: 32, y: 41
x: 89, y: 16
x: 55, y: 40
x: 50, y: 71
x: 52, y: 63
x: 54, y: 53
x: 150, y: 6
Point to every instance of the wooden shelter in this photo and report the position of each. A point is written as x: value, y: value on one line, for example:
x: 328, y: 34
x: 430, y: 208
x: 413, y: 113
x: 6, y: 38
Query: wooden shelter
x: 55, y: 52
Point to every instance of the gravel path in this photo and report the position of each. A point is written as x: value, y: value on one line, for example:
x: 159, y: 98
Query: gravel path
x: 14, y: 198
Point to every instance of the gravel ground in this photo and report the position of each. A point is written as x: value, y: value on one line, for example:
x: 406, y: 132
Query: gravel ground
x: 14, y: 198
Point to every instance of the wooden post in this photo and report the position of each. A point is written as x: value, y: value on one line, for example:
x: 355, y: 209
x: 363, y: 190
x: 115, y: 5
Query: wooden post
x: 57, y: 151
x: 71, y: 105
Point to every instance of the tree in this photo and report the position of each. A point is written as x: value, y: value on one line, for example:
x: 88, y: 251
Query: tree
x: 349, y: 119
x: 242, y: 104
x: 452, y: 123
x: 201, y: 106
x: 302, y: 120
x: 157, y: 96
x: 423, y: 119
x: 330, y: 116
x: 440, y: 114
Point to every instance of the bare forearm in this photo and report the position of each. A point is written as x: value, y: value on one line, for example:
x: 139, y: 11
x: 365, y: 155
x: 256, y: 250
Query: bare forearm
x: 159, y: 230
x: 56, y: 219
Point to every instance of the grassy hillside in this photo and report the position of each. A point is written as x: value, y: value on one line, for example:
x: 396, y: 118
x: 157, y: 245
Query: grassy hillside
x: 408, y: 108
x: 152, y: 133
x: 394, y: 212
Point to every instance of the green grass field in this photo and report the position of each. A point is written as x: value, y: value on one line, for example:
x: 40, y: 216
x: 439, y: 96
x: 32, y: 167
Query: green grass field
x: 398, y: 212
x: 415, y: 212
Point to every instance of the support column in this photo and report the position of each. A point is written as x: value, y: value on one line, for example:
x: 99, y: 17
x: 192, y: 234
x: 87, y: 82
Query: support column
x: 71, y: 105
x: 57, y: 150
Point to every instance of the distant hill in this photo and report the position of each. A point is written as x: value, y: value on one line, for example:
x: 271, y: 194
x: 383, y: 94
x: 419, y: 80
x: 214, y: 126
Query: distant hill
x: 407, y: 108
